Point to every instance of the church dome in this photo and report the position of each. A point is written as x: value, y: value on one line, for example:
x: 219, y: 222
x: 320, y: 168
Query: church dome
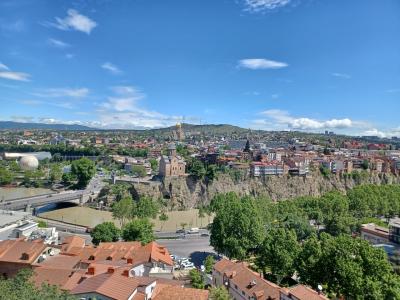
x: 28, y: 162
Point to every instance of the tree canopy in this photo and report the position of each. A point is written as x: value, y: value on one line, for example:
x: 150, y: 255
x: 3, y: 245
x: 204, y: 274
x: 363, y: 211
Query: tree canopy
x: 84, y: 169
x: 22, y: 287
x: 237, y: 228
x: 138, y: 230
x: 105, y: 232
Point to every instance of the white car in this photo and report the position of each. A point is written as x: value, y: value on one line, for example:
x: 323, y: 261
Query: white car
x: 187, y: 265
x: 173, y: 257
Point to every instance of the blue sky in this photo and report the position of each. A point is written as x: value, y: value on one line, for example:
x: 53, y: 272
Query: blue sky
x: 310, y: 65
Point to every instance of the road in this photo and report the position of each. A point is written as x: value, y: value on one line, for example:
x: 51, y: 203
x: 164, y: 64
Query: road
x: 197, y: 248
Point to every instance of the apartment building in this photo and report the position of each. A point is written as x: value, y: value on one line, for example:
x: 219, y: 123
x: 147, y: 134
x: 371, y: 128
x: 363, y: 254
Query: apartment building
x: 374, y: 234
x: 243, y: 284
x: 258, y: 169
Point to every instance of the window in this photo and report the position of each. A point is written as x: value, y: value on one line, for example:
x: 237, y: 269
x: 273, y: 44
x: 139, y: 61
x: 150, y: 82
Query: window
x: 243, y: 293
x: 235, y: 286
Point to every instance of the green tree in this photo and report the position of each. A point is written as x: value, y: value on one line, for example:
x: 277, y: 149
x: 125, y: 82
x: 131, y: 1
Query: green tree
x: 348, y: 266
x: 279, y: 252
x: 84, y: 169
x: 14, y: 166
x: 68, y: 178
x: 163, y: 218
x: 183, y: 225
x: 139, y: 171
x: 365, y: 164
x: 120, y: 190
x: 42, y: 224
x: 196, y: 279
x: 201, y: 215
x: 123, y: 210
x: 154, y: 164
x: 196, y: 168
x: 6, y: 177
x: 55, y: 173
x: 209, y: 263
x: 237, y: 229
x: 138, y: 230
x: 21, y: 286
x: 211, y: 172
x: 105, y: 232
x: 219, y: 293
x: 146, y: 208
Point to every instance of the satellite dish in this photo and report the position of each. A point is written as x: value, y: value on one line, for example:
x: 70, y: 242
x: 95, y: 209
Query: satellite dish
x: 319, y: 287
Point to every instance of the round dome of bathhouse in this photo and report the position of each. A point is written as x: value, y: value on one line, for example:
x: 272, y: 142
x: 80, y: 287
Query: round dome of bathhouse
x: 28, y: 162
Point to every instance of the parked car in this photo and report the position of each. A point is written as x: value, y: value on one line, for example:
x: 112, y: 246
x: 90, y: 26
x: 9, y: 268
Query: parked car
x: 187, y: 265
x: 173, y: 257
x: 193, y: 230
x: 181, y: 231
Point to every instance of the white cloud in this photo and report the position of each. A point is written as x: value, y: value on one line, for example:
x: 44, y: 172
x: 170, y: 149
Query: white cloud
x: 261, y: 63
x: 341, y: 75
x: 22, y: 119
x: 75, y: 21
x: 122, y: 110
x: 111, y: 68
x: 263, y: 5
x: 3, y: 67
x: 125, y: 98
x: 284, y: 119
x: 18, y: 76
x: 63, y: 92
x: 69, y: 55
x: 57, y: 43
x: 382, y: 133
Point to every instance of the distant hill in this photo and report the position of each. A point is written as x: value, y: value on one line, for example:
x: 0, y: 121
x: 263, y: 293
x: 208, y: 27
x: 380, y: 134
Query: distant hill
x: 208, y: 129
x: 28, y: 126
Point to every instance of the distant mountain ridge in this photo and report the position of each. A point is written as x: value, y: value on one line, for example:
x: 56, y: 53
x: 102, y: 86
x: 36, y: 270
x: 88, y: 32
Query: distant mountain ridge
x: 27, y: 126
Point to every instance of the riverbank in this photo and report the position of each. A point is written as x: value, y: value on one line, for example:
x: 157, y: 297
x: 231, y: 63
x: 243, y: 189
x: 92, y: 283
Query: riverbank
x: 89, y: 217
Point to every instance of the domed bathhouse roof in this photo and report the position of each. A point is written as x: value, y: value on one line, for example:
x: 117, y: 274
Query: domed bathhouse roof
x: 28, y: 162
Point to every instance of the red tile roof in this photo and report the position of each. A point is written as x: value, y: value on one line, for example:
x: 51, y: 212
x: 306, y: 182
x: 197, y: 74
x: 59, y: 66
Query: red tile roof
x: 21, y: 251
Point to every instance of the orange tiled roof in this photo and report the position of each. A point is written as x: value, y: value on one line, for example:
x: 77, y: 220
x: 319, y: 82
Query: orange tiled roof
x: 181, y: 293
x: 239, y: 274
x: 21, y: 251
x: 112, y: 285
x: 303, y: 292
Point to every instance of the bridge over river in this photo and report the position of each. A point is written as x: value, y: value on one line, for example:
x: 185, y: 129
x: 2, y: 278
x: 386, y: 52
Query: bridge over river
x: 28, y: 203
x: 77, y: 196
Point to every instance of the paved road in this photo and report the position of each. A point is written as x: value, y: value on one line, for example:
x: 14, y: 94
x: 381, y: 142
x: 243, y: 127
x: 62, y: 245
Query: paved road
x: 195, y: 248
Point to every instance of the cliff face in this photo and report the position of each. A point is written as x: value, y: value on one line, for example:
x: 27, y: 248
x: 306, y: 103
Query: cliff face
x: 187, y: 192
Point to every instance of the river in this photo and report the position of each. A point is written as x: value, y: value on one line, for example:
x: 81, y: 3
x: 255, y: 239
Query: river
x: 20, y: 192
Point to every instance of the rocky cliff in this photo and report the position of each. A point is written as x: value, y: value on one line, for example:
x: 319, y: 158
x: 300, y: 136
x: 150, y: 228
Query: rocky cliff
x: 187, y: 192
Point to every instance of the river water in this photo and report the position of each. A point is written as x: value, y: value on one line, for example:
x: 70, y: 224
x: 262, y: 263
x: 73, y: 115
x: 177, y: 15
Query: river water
x: 19, y: 192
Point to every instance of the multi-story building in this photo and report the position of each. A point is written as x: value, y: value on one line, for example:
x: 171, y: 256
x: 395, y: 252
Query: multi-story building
x: 374, y: 234
x: 243, y: 284
x: 258, y: 169
x: 394, y: 230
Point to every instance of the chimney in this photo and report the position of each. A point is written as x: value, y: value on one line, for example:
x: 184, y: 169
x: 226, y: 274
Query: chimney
x: 129, y: 261
x: 125, y: 273
x: 110, y: 270
x: 90, y: 271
